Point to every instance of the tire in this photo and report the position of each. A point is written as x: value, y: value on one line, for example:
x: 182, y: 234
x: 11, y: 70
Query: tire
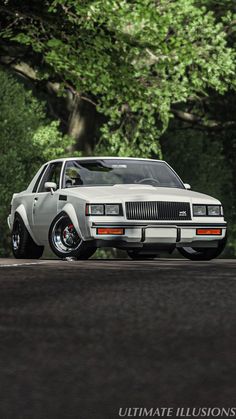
x: 65, y: 241
x: 137, y: 255
x: 23, y: 246
x: 195, y: 253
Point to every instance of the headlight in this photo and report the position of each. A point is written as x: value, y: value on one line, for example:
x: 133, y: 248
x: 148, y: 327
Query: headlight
x: 207, y: 210
x: 104, y: 209
x: 213, y: 210
x: 199, y: 210
x: 95, y: 209
x: 112, y: 209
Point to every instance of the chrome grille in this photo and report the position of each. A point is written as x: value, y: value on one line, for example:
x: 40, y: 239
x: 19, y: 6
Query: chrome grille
x: 160, y: 210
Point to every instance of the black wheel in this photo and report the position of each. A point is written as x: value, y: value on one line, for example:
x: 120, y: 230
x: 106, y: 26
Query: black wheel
x: 65, y: 241
x: 137, y: 255
x: 203, y: 253
x: 23, y: 246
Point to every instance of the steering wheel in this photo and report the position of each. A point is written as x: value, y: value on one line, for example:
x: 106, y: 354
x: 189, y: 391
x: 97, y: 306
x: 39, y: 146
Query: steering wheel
x: 149, y: 179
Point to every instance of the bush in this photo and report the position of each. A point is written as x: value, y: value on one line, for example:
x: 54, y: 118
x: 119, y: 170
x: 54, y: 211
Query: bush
x: 27, y: 139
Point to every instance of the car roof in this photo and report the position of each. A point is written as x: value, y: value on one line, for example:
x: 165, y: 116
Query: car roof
x: 101, y: 158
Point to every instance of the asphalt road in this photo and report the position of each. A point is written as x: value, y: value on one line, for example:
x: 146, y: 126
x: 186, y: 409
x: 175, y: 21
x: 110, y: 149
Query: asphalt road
x: 82, y: 339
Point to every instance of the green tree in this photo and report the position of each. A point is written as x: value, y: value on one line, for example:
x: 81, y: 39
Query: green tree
x: 201, y: 141
x: 27, y: 139
x: 130, y: 60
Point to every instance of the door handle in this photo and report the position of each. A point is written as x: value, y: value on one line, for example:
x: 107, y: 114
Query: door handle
x: 36, y: 199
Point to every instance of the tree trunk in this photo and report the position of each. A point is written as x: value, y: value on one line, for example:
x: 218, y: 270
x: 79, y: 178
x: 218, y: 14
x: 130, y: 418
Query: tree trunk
x: 81, y: 124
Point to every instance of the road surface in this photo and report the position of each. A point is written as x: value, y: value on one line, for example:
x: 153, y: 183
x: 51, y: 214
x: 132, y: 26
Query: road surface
x: 79, y: 340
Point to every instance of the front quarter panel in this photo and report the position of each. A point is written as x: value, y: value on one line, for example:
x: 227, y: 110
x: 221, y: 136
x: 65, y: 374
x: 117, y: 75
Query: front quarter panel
x: 74, y: 216
x: 74, y: 206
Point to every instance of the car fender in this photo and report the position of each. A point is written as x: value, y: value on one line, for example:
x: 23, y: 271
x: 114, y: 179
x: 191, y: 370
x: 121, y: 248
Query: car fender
x: 70, y: 211
x: 23, y: 214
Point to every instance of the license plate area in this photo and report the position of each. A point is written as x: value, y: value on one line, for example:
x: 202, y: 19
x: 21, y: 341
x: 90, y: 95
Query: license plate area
x: 160, y: 234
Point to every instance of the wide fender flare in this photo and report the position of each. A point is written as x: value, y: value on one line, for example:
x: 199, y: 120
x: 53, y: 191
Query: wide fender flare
x: 70, y: 211
x: 23, y: 214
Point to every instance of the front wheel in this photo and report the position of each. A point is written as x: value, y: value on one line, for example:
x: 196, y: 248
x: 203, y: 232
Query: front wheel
x: 203, y: 253
x: 65, y: 241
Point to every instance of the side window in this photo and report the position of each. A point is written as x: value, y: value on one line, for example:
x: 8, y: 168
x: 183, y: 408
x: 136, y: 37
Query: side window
x: 52, y: 174
x: 38, y: 179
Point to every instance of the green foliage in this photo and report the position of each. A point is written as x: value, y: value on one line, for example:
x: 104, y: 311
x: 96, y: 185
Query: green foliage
x: 134, y: 59
x: 27, y: 140
x: 200, y: 158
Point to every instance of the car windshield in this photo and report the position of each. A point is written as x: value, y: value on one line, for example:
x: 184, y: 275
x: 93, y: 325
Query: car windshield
x: 109, y: 172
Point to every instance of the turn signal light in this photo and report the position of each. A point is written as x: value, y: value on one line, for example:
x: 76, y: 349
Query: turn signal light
x: 114, y: 231
x: 209, y: 231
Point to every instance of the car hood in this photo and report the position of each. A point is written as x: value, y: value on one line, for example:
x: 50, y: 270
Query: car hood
x: 131, y: 192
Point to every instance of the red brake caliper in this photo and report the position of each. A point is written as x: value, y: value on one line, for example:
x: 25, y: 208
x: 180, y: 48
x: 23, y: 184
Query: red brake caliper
x: 70, y: 228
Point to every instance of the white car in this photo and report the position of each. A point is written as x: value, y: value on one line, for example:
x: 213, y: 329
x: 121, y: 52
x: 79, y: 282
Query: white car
x: 140, y: 205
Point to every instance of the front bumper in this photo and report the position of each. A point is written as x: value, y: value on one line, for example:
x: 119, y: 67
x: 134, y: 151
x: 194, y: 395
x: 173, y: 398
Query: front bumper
x: 159, y: 235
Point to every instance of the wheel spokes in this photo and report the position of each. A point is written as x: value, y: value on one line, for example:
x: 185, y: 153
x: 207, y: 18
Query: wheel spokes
x: 65, y: 236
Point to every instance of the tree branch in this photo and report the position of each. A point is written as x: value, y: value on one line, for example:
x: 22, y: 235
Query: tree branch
x: 197, y: 120
x: 19, y: 15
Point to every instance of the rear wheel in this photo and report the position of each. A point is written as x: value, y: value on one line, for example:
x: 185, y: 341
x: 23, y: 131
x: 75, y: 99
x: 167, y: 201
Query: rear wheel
x: 137, y: 255
x: 23, y: 246
x: 65, y: 241
x: 197, y: 253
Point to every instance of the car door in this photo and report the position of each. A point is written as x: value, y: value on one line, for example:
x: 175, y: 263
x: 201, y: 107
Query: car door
x: 45, y: 203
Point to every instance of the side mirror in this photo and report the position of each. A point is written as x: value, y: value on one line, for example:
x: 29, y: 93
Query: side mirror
x: 187, y: 186
x: 50, y: 186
